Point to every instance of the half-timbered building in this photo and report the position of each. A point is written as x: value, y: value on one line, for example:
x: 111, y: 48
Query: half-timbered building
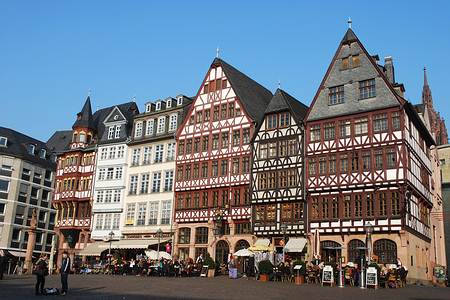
x: 368, y: 164
x: 76, y: 159
x: 278, y: 198
x: 212, y: 197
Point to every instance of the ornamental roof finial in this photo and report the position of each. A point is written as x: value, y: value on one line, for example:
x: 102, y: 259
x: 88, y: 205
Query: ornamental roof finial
x: 349, y: 22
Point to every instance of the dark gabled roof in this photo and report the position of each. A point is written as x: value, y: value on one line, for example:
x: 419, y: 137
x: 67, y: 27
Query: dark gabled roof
x: 349, y: 37
x: 283, y: 101
x: 420, y: 108
x: 59, y: 141
x: 411, y: 110
x: 126, y: 109
x: 254, y: 96
x: 17, y: 147
x: 84, y: 117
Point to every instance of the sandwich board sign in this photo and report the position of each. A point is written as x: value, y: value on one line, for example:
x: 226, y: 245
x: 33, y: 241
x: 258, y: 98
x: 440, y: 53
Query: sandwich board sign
x: 327, y: 275
x: 371, y: 277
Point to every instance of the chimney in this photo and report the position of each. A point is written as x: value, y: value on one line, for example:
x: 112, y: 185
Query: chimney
x: 389, y: 66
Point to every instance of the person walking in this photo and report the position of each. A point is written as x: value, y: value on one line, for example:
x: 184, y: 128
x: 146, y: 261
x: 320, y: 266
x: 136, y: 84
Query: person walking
x: 65, y: 270
x: 40, y: 270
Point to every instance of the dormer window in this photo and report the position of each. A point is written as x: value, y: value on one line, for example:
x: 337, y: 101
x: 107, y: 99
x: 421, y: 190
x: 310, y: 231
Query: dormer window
x: 110, y: 132
x: 148, y: 108
x: 31, y: 148
x: 3, y: 141
x: 42, y: 153
x: 117, y: 131
x: 180, y: 101
x: 158, y: 105
x: 82, y: 138
x: 169, y: 103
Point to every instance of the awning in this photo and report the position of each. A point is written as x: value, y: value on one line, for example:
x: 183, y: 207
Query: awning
x: 295, y: 245
x: 17, y: 253
x: 94, y: 249
x: 134, y: 244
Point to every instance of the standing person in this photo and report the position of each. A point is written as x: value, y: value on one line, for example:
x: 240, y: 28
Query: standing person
x: 65, y: 270
x: 40, y: 270
x: 2, y: 263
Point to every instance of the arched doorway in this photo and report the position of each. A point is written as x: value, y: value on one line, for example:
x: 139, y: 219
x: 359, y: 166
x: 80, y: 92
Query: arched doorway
x: 241, y: 244
x: 222, y: 251
x: 330, y: 251
x: 355, y: 251
x: 386, y: 250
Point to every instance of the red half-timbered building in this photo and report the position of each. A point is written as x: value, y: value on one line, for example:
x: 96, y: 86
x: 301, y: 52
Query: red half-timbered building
x: 368, y: 164
x: 73, y: 194
x: 212, y: 197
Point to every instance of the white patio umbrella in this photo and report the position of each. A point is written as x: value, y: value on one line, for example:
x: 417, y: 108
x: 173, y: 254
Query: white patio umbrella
x: 152, y: 254
x: 244, y: 252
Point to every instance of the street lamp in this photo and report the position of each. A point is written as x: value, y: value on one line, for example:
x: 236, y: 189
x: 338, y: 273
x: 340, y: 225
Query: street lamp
x: 369, y: 230
x: 111, y: 236
x: 158, y: 234
x: 283, y: 228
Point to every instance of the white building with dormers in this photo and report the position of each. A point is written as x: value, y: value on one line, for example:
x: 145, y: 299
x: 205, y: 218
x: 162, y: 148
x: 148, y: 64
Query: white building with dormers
x: 151, y: 170
x: 110, y: 174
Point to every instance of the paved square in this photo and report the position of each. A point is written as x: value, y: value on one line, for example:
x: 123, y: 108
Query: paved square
x: 132, y: 287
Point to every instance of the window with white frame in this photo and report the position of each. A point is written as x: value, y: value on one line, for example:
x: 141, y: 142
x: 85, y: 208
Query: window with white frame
x: 169, y: 103
x: 110, y: 173
x: 133, y: 184
x: 3, y: 141
x: 158, y: 105
x: 159, y: 150
x: 138, y: 129
x: 173, y: 122
x: 99, y: 222
x: 117, y: 132
x: 156, y: 184
x: 120, y: 151
x: 42, y: 153
x: 108, y: 196
x: 149, y: 130
x: 31, y: 148
x: 112, y: 152
x: 141, y: 212
x: 131, y: 210
x: 161, y: 125
x: 179, y: 101
x: 116, y: 198
x: 170, y: 151
x: 166, y: 207
x: 104, y: 153
x: 110, y: 132
x: 107, y: 224
x: 99, y: 198
x: 101, y: 174
x: 145, y: 178
x: 168, y: 180
x: 153, y: 212
x: 116, y: 222
x: 135, y: 157
x: 147, y: 155
x: 119, y: 172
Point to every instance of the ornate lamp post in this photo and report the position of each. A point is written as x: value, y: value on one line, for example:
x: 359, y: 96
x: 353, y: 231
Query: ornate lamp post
x: 159, y: 234
x: 110, y: 239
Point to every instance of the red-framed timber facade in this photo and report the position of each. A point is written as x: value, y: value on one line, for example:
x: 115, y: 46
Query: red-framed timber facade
x: 212, y: 197
x: 368, y: 161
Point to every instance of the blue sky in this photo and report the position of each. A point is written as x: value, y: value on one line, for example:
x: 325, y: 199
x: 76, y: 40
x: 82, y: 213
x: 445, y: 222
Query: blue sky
x: 53, y: 52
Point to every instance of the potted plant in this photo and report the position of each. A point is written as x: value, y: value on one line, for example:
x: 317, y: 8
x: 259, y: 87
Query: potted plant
x: 265, y: 268
x: 299, y: 273
x: 211, y: 265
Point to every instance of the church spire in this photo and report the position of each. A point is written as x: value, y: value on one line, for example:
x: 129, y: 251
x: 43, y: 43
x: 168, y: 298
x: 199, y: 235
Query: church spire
x: 427, y: 99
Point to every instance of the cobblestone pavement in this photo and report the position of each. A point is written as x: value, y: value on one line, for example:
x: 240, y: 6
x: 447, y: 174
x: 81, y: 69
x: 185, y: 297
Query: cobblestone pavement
x: 131, y: 287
